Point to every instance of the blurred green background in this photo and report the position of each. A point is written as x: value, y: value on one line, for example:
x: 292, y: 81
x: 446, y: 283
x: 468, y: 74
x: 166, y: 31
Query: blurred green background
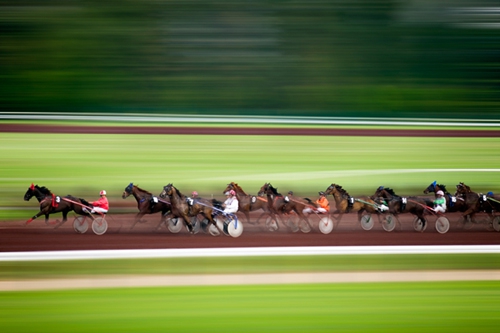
x: 436, y: 58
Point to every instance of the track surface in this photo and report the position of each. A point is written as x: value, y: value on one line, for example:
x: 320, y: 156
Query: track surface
x: 14, y: 236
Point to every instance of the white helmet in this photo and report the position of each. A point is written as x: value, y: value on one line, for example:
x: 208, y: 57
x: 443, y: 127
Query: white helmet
x: 103, y: 192
x: 439, y: 193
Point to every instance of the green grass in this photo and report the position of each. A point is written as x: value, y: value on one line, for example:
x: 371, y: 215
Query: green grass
x: 83, y: 164
x: 245, y: 265
x: 372, y: 307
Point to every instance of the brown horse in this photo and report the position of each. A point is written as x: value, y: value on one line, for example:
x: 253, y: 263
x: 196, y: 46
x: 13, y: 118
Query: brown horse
x: 400, y: 205
x: 147, y: 203
x: 180, y: 207
x: 279, y: 205
x: 248, y: 203
x: 476, y: 203
x: 51, y: 203
x: 347, y: 204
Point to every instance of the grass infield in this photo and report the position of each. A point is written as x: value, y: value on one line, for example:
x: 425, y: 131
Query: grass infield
x: 371, y: 307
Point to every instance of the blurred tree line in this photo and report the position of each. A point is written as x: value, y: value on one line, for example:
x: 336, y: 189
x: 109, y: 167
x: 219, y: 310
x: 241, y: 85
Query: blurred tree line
x: 432, y: 58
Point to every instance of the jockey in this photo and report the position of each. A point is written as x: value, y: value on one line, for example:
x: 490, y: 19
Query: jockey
x: 324, y: 205
x: 231, y: 204
x: 440, y: 202
x: 101, y: 205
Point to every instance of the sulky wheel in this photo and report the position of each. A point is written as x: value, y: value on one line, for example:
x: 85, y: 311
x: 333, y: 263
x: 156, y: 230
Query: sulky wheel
x: 418, y: 225
x: 366, y: 222
x: 81, y: 225
x: 272, y: 224
x: 99, y: 226
x: 174, y: 225
x: 442, y: 225
x: 234, y: 228
x: 389, y: 223
x: 325, y: 225
x: 496, y: 223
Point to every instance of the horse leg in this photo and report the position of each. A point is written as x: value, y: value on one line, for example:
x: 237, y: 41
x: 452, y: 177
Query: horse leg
x: 40, y: 213
x: 137, y: 219
x: 65, y: 218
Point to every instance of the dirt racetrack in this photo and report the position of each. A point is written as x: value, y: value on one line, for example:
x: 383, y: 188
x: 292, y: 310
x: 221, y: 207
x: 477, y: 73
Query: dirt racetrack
x: 14, y: 236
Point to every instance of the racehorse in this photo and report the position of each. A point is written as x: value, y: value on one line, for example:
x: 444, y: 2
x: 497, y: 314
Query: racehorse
x: 475, y: 202
x: 453, y: 204
x: 279, y: 205
x: 147, y: 203
x: 51, y: 203
x: 347, y: 204
x: 399, y: 205
x: 247, y: 203
x: 181, y: 208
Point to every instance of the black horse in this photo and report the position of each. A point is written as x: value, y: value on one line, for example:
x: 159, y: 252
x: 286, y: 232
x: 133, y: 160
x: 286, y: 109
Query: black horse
x: 51, y: 203
x: 399, y: 205
x: 147, y: 203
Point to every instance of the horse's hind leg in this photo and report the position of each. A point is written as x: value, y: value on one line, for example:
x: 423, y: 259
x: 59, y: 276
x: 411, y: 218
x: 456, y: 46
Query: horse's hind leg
x: 65, y: 218
x: 136, y: 220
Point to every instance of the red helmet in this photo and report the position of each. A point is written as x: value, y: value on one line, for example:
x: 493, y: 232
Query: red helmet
x: 194, y: 194
x: 231, y: 192
x: 103, y: 192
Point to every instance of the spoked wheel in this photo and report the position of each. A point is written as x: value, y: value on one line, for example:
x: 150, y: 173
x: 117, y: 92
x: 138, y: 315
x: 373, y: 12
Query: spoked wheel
x: 366, y: 222
x: 272, y: 224
x: 99, y: 226
x: 304, y: 227
x: 325, y: 225
x: 196, y: 225
x: 389, y: 223
x: 442, y: 225
x: 419, y: 225
x: 174, y: 224
x: 234, y: 228
x: 80, y: 224
x: 220, y: 226
x: 292, y: 223
x: 496, y: 223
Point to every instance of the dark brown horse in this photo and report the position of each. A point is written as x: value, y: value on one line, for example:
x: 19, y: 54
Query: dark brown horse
x: 147, y: 203
x: 51, y: 203
x: 281, y: 206
x: 248, y: 203
x: 400, y: 205
x: 347, y: 204
x: 475, y: 203
x: 182, y: 209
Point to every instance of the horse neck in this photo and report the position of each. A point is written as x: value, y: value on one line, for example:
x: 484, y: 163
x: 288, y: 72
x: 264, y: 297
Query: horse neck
x: 40, y: 196
x: 239, y: 190
x: 138, y: 194
x: 175, y: 196
x: 337, y: 196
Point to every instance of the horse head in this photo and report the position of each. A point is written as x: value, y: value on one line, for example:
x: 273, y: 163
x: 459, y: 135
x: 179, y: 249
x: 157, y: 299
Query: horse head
x: 263, y: 189
x: 229, y: 187
x: 167, y: 190
x: 330, y: 189
x: 30, y: 192
x: 462, y: 189
x: 128, y: 190
x: 431, y: 188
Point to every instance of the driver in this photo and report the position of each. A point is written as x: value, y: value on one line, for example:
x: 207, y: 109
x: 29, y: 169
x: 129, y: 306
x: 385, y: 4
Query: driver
x: 231, y: 204
x: 440, y: 202
x: 101, y: 205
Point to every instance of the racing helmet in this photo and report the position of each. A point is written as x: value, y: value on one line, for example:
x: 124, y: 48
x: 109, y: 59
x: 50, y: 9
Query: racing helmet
x: 194, y: 194
x: 440, y: 192
x: 103, y: 192
x: 232, y: 192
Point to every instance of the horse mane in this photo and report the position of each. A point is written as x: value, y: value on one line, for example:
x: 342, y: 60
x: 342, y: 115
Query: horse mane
x: 43, y: 189
x: 341, y: 190
x: 274, y: 190
x: 390, y: 191
x: 140, y: 189
x: 178, y: 192
x: 443, y: 188
x: 238, y: 187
